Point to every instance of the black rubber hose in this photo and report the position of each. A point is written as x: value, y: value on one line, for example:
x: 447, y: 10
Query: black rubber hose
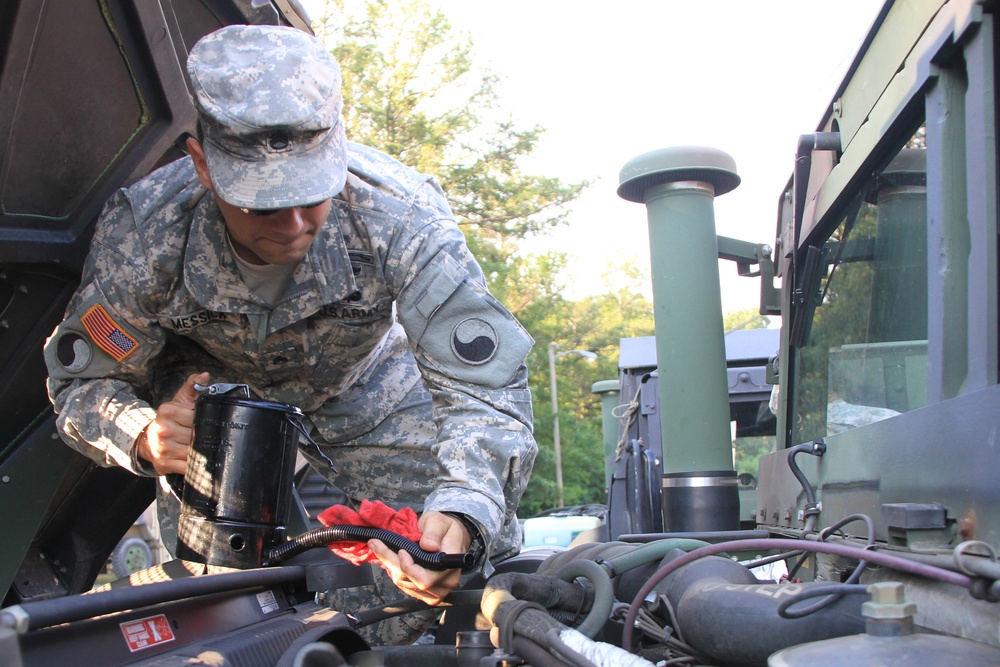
x: 56, y: 611
x: 469, y: 598
x: 816, y: 448
x: 818, y: 590
x: 345, y: 533
x: 535, y: 653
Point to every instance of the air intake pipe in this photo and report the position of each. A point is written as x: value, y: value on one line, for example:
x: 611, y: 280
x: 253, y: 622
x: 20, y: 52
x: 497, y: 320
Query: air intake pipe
x: 678, y: 186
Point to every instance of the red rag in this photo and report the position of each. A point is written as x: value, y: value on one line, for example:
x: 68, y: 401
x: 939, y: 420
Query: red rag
x: 374, y: 515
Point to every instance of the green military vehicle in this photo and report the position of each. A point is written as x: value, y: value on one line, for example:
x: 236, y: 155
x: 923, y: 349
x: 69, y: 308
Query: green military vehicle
x: 869, y: 535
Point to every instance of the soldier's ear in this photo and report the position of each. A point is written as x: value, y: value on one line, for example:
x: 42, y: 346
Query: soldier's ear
x: 197, y: 154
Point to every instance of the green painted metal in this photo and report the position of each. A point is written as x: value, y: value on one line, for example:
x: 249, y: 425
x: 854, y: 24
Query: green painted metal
x: 29, y: 480
x: 678, y: 186
x: 610, y: 393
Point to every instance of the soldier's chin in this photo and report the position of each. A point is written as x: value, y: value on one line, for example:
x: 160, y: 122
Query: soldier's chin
x: 282, y: 255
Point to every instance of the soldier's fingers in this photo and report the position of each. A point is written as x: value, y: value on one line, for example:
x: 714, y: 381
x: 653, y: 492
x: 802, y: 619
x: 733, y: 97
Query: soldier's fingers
x: 187, y: 394
x: 433, y: 586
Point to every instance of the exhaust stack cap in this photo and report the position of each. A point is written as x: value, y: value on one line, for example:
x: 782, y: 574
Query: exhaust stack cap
x: 677, y: 163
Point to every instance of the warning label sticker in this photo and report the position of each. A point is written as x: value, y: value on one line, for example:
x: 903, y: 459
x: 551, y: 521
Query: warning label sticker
x: 267, y: 602
x: 145, y: 632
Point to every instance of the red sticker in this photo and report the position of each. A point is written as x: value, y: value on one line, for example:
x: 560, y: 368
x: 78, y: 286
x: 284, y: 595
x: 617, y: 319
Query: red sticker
x: 146, y: 632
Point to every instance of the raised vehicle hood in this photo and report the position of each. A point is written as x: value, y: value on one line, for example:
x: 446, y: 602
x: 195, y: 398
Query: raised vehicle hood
x: 93, y: 96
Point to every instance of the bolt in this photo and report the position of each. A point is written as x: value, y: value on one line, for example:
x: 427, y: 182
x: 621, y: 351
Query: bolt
x: 888, y: 602
x: 837, y: 108
x: 6, y: 479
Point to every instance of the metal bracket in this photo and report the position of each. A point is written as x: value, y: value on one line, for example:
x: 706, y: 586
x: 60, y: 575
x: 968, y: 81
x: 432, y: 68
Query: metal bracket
x: 746, y: 255
x: 222, y: 388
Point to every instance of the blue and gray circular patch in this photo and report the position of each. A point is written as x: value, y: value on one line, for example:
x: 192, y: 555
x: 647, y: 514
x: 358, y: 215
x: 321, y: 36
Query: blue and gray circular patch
x: 474, y: 341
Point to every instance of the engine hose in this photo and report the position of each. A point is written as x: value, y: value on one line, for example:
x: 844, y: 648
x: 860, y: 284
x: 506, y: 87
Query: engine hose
x: 56, y: 611
x: 874, y: 557
x: 819, y: 590
x: 548, y: 591
x: 816, y: 448
x: 604, y: 594
x: 647, y: 553
x: 365, y: 617
x: 346, y: 533
x: 535, y: 653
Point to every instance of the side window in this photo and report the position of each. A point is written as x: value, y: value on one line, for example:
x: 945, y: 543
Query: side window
x: 865, y: 357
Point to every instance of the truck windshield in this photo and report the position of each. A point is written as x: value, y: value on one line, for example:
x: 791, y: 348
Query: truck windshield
x: 866, y: 355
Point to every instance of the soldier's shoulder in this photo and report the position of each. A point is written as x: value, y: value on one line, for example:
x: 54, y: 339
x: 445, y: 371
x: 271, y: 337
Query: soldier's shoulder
x: 380, y: 182
x: 164, y: 200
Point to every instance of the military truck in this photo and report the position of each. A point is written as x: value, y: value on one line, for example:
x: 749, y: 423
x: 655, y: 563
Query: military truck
x: 879, y: 499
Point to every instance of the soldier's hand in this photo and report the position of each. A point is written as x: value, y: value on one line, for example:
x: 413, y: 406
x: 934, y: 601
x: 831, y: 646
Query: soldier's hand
x: 440, y: 532
x: 166, y: 441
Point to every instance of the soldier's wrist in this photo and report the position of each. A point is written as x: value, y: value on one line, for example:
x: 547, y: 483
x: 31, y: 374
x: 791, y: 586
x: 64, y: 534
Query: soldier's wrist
x: 478, y: 545
x: 141, y: 466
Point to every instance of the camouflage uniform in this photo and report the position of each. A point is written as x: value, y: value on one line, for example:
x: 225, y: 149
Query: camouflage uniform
x: 411, y: 374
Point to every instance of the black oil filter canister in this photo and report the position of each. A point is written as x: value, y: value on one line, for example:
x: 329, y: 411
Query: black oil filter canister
x: 238, y: 486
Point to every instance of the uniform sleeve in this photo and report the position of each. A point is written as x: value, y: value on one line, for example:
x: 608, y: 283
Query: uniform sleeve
x: 99, y: 357
x: 471, y: 353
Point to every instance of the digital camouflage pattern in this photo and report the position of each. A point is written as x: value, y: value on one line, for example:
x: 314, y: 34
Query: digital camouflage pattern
x: 268, y: 98
x: 387, y: 309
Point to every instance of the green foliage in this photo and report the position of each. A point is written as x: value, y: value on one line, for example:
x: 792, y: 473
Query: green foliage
x: 750, y: 450
x: 411, y: 90
x: 594, y: 324
x: 748, y: 318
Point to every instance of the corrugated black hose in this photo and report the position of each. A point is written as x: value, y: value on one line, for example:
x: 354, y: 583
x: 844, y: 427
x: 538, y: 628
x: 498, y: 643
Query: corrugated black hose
x: 342, y: 533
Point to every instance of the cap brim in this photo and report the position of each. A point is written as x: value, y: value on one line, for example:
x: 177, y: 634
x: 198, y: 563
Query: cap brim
x: 281, y: 181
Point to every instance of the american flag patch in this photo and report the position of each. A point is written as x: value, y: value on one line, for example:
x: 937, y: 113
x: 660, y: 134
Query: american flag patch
x: 107, y: 335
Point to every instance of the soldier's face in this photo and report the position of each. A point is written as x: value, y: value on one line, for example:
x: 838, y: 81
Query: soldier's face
x: 278, y: 236
x: 281, y: 236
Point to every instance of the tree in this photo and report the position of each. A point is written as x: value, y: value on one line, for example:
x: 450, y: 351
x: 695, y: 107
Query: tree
x: 596, y: 324
x: 748, y: 318
x: 411, y: 90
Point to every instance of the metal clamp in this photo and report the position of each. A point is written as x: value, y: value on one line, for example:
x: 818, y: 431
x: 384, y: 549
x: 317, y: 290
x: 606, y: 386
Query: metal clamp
x: 222, y: 388
x: 962, y: 549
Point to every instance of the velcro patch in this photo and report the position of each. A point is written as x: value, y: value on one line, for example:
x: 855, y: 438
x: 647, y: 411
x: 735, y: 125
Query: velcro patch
x: 472, y: 338
x: 107, y: 335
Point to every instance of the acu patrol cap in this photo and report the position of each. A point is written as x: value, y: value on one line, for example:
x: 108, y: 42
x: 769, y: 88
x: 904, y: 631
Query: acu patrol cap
x: 269, y: 102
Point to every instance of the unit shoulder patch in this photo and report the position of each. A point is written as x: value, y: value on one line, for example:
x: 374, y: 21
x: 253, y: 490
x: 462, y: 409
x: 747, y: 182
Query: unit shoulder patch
x: 74, y: 352
x: 474, y: 341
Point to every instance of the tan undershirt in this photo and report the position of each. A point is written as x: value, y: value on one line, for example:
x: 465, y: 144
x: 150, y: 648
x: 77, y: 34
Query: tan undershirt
x: 267, y: 281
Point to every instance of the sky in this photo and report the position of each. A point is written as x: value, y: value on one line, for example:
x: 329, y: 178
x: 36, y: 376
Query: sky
x: 612, y: 80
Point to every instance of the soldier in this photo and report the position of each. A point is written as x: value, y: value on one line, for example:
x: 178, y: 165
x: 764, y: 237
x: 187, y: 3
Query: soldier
x: 321, y: 273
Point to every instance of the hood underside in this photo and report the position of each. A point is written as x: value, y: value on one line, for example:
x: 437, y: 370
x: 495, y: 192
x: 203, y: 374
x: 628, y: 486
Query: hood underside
x: 93, y: 96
